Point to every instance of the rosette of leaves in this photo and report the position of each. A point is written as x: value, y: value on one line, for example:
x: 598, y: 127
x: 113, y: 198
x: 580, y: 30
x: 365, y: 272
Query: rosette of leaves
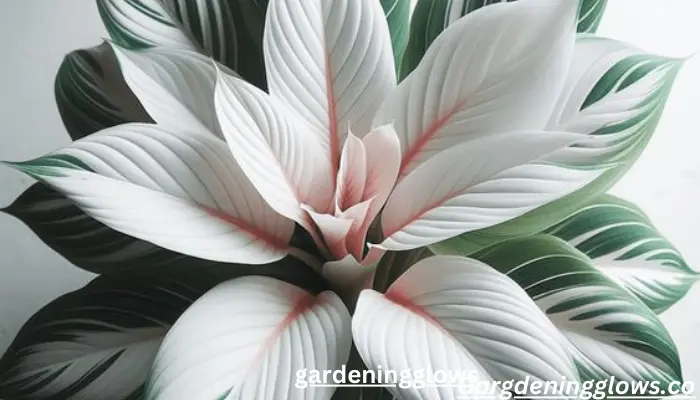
x: 269, y: 186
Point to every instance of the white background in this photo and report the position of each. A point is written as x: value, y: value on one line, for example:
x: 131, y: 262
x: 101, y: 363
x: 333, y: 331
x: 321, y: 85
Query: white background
x: 35, y: 35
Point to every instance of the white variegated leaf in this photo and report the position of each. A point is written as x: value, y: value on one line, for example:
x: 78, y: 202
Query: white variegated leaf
x: 623, y: 243
x: 176, y: 87
x: 331, y: 63
x: 431, y: 17
x: 614, y: 93
x: 480, y: 183
x: 181, y: 191
x: 246, y: 338
x: 610, y: 331
x: 227, y: 31
x: 385, y: 333
x: 98, y: 340
x: 283, y: 160
x: 465, y: 89
x: 453, y: 309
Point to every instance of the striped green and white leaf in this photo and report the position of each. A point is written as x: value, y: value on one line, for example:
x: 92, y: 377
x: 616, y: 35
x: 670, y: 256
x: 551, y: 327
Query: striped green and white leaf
x: 611, y: 332
x: 397, y: 15
x: 623, y: 243
x: 230, y: 32
x: 179, y: 190
x: 614, y: 93
x: 247, y: 338
x: 84, y: 241
x: 104, y: 337
x: 100, y: 339
x: 431, y: 17
x: 95, y: 247
x: 590, y: 14
x: 91, y: 94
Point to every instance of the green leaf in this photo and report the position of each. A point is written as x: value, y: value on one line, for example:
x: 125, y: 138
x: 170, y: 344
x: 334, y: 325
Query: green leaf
x: 92, y: 246
x: 228, y: 31
x: 431, y: 17
x: 397, y: 15
x: 590, y: 14
x: 623, y: 243
x: 610, y: 331
x: 614, y: 93
x: 91, y: 94
x: 393, y: 264
x: 104, y: 337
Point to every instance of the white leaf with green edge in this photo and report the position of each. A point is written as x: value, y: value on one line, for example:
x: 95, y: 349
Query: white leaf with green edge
x: 180, y: 191
x: 331, y: 63
x: 431, y: 17
x: 615, y: 94
x: 91, y: 94
x: 397, y: 16
x: 610, y: 331
x: 477, y: 184
x: 258, y: 333
x: 453, y: 312
x: 623, y: 243
x: 466, y: 89
x: 95, y: 247
x: 100, y: 339
x: 229, y: 32
x: 175, y: 86
x: 82, y: 240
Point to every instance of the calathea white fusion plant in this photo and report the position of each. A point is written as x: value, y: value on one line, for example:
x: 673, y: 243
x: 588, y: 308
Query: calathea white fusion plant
x: 267, y: 187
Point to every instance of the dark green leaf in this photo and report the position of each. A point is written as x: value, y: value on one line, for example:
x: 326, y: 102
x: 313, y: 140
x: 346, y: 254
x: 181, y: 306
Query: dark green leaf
x: 397, y: 15
x: 91, y: 94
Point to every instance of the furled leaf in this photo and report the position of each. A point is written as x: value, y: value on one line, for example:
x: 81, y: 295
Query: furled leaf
x: 431, y: 17
x: 623, y: 243
x: 247, y: 338
x: 103, y: 338
x: 397, y: 15
x: 458, y: 314
x: 180, y: 191
x: 611, y: 332
x: 477, y: 184
x: 91, y: 94
x: 466, y: 89
x: 331, y: 63
x: 228, y: 31
x: 615, y: 94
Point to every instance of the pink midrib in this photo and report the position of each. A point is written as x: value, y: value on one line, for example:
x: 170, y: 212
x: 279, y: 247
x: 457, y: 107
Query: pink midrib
x: 257, y: 233
x: 334, y: 142
x: 303, y: 303
x: 397, y: 297
x: 426, y: 136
